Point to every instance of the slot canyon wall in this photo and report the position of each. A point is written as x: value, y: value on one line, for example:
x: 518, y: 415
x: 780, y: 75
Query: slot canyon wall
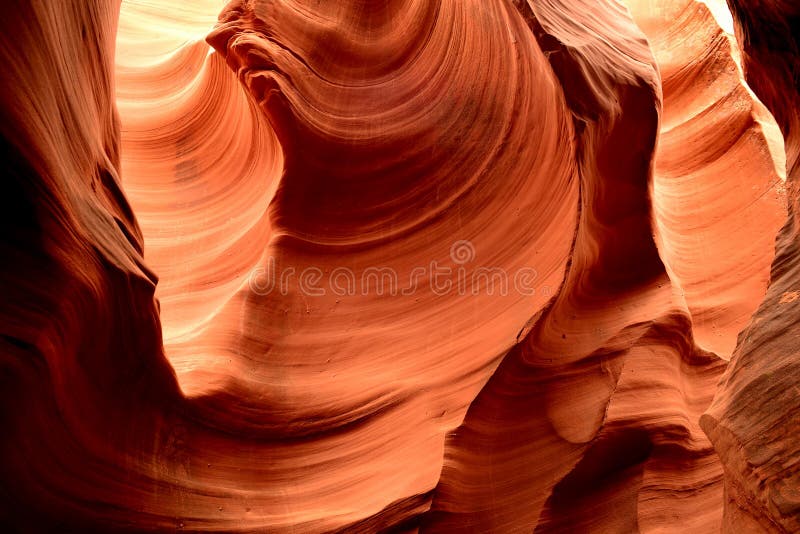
x: 400, y: 266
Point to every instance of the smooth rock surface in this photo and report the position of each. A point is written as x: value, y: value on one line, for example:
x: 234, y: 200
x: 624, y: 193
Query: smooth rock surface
x: 410, y: 266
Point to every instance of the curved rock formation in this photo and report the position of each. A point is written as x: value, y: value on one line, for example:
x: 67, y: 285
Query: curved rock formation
x: 412, y: 265
x: 754, y: 415
x: 716, y: 140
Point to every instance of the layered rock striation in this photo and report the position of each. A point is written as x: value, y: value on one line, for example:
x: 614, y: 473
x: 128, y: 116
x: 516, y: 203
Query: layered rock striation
x: 412, y: 266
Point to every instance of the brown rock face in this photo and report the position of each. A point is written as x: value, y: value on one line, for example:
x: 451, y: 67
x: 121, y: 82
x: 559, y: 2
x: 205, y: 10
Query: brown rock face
x: 410, y: 266
x: 755, y: 415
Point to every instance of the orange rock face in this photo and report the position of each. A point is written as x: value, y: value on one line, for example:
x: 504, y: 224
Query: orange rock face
x: 409, y: 266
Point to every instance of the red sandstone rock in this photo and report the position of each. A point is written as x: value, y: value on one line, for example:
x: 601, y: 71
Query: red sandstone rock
x: 446, y: 266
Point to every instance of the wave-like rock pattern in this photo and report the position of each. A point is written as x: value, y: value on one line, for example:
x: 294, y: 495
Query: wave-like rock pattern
x: 200, y: 164
x: 754, y: 416
x: 331, y: 201
x: 716, y: 140
x: 599, y: 354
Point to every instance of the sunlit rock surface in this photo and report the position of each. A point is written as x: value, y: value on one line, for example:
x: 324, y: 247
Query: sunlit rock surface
x: 417, y: 266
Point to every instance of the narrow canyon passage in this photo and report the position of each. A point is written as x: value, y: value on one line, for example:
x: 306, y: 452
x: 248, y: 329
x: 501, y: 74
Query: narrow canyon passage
x: 408, y: 266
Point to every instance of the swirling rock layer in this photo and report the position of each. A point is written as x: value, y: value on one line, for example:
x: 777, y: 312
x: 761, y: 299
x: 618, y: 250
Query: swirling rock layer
x: 754, y: 415
x: 412, y: 265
